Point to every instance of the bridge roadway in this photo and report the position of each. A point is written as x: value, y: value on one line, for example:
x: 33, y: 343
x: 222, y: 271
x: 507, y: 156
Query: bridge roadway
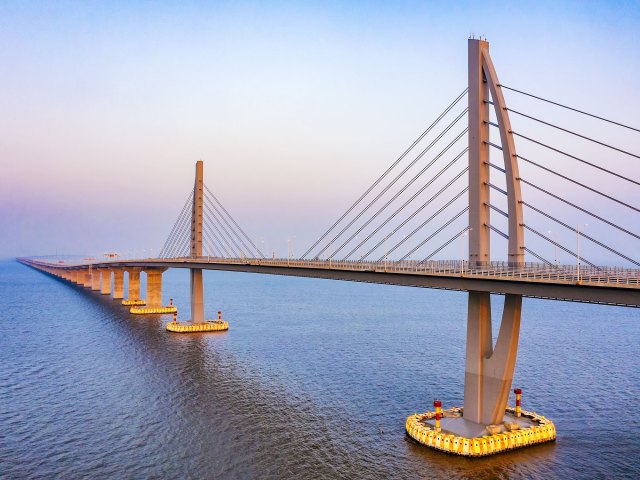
x: 602, y: 285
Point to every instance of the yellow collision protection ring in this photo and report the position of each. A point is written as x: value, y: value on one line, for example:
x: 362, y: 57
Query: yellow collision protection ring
x: 543, y: 431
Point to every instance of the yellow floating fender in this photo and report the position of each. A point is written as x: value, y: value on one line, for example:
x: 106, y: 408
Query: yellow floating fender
x: 484, y: 445
x: 447, y: 443
x: 492, y: 444
x: 504, y: 441
x: 457, y: 444
x: 476, y: 446
x: 431, y: 438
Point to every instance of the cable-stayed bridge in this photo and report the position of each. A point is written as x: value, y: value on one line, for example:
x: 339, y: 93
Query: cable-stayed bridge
x: 458, y: 183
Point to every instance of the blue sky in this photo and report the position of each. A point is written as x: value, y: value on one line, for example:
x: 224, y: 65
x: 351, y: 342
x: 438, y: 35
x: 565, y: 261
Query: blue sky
x: 295, y: 107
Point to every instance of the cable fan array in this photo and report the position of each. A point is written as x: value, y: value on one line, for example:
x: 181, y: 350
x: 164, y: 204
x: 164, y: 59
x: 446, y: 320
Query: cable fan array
x: 390, y: 218
x: 416, y: 209
x: 545, y: 204
x: 420, y: 187
x: 222, y: 237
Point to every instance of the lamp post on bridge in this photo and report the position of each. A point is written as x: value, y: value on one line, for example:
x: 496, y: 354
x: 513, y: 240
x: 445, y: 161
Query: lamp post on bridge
x: 578, y: 245
x: 555, y: 239
x: 385, y: 251
x: 330, y: 252
x: 462, y: 236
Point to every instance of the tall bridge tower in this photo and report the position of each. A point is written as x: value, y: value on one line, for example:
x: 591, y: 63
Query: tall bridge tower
x: 197, y: 323
x: 197, y: 302
x: 489, y: 369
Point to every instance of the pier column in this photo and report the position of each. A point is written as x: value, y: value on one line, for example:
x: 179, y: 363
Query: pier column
x: 154, y: 287
x: 118, y: 283
x: 489, y: 370
x: 105, y: 288
x: 197, y: 297
x: 197, y: 302
x: 95, y: 279
x: 78, y: 277
x: 86, y: 278
x: 134, y: 284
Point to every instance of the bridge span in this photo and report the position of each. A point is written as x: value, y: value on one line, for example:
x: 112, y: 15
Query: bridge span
x: 603, y: 285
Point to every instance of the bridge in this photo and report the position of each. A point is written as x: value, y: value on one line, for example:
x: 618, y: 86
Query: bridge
x: 372, y: 241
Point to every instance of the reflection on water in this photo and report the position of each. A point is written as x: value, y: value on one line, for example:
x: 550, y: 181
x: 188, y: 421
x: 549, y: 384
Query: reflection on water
x: 314, y: 379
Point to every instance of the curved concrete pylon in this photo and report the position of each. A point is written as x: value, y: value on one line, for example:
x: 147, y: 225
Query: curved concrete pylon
x: 489, y: 370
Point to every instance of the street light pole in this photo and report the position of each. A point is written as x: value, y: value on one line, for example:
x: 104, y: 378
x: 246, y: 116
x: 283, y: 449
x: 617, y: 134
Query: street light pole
x: 462, y: 253
x: 386, y: 237
x: 578, y: 249
x: 555, y: 245
x: 578, y: 246
x: 464, y: 234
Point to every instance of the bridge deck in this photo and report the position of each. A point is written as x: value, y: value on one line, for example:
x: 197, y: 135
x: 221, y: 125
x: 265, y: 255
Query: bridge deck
x: 606, y: 285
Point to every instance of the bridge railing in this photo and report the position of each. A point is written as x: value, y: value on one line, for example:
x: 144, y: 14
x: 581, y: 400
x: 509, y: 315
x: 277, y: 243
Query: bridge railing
x: 529, y: 271
x: 499, y: 270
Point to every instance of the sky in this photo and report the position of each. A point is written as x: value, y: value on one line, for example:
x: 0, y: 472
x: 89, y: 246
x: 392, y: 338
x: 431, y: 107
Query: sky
x: 294, y: 107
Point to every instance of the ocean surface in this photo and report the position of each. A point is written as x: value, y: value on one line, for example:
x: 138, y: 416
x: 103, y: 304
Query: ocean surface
x: 314, y: 379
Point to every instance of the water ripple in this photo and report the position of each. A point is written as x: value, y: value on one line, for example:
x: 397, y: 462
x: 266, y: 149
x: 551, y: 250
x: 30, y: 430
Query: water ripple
x: 314, y: 380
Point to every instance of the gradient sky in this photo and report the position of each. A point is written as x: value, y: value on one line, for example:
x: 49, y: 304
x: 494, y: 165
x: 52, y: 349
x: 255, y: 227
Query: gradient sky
x: 295, y: 107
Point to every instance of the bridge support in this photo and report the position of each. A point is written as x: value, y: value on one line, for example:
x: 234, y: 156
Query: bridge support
x: 197, y: 301
x: 154, y: 287
x: 133, y: 297
x: 134, y: 284
x: 154, y: 294
x: 197, y: 296
x: 105, y: 288
x: 198, y: 322
x: 489, y: 370
x: 118, y: 283
x: 86, y: 278
x: 95, y: 279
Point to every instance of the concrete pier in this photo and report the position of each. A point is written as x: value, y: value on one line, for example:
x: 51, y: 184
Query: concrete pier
x: 134, y: 284
x: 105, y: 288
x: 154, y: 287
x: 197, y: 296
x: 95, y: 279
x: 86, y: 278
x: 118, y: 283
